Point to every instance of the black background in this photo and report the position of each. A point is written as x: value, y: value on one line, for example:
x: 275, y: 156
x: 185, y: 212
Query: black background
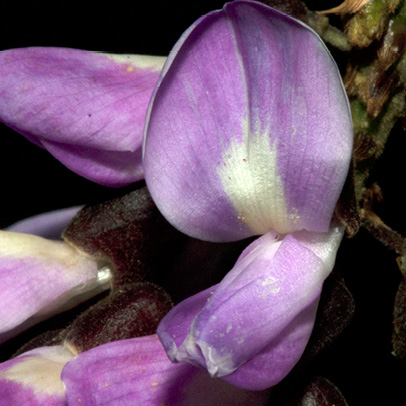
x: 360, y: 361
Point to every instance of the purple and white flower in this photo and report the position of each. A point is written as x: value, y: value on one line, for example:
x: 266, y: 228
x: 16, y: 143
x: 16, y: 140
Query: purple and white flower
x: 247, y: 133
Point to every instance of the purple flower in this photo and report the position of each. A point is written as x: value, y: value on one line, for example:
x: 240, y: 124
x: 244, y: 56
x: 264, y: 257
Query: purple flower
x: 252, y: 328
x: 87, y: 109
x: 249, y: 133
x: 40, y: 278
x: 138, y: 371
x: 117, y: 373
x: 125, y: 372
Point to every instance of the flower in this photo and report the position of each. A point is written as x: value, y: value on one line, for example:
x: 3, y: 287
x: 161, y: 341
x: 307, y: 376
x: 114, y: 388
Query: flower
x: 252, y: 328
x: 123, y: 370
x: 87, y: 109
x: 84, y: 368
x: 138, y: 370
x: 248, y: 133
x: 126, y: 372
x: 40, y: 278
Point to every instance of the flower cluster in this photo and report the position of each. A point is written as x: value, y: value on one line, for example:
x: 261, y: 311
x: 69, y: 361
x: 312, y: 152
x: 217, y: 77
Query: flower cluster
x: 245, y: 132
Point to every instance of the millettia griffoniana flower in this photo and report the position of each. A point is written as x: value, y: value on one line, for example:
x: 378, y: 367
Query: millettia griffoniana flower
x: 248, y: 133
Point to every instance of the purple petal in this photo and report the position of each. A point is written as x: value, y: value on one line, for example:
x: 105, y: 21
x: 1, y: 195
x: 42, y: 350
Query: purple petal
x: 248, y: 133
x: 40, y: 278
x: 254, y: 327
x: 273, y: 363
x: 138, y: 372
x: 34, y: 378
x: 81, y: 106
x: 46, y: 225
x: 109, y: 168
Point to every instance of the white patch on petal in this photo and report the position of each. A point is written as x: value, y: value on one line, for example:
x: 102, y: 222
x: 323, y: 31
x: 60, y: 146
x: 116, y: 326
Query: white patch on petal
x: 139, y: 61
x: 217, y: 365
x: 41, y: 370
x: 188, y: 349
x: 250, y: 177
x: 270, y: 287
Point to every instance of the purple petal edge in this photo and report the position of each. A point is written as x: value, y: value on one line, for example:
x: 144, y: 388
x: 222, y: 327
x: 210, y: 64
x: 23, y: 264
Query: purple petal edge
x: 48, y: 225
